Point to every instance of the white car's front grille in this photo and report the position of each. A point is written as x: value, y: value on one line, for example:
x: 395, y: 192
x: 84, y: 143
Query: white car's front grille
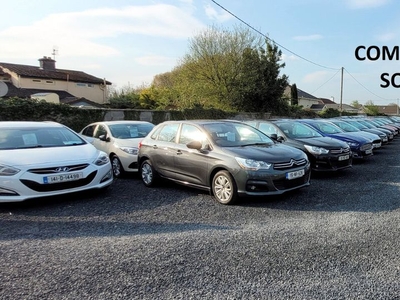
x: 59, y: 169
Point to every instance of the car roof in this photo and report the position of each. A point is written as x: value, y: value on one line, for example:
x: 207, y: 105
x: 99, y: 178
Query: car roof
x: 25, y: 124
x: 202, y: 122
x: 122, y: 122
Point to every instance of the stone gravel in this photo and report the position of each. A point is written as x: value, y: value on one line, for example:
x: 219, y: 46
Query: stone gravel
x: 337, y: 239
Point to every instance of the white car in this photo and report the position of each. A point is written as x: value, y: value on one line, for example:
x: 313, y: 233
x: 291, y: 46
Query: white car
x: 39, y: 159
x: 120, y: 140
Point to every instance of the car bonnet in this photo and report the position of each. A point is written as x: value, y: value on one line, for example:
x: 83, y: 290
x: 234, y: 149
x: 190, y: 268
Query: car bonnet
x: 21, y: 158
x: 270, y: 153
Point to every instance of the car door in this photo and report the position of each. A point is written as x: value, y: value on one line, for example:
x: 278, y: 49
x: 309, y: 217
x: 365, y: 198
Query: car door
x: 88, y: 133
x: 162, y: 150
x: 102, y: 143
x: 191, y: 165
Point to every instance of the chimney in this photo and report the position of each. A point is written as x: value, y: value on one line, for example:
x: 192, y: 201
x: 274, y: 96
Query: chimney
x: 47, y: 63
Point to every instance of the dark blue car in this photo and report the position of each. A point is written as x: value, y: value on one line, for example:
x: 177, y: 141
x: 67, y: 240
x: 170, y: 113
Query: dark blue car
x: 360, y: 146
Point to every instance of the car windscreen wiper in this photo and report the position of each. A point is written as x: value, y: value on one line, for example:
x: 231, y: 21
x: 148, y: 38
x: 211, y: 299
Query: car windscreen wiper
x: 256, y: 144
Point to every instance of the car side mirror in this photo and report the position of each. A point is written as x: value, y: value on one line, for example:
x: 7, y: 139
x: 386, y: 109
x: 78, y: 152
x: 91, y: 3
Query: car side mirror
x: 194, y: 145
x: 104, y: 138
x: 274, y: 136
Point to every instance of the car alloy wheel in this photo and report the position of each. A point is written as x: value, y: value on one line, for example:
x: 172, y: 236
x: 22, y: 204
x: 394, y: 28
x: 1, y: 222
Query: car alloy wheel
x: 116, y: 166
x: 147, y: 173
x: 224, y: 188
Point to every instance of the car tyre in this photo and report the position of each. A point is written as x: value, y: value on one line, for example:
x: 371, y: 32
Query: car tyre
x: 118, y: 170
x: 147, y: 173
x: 224, y: 188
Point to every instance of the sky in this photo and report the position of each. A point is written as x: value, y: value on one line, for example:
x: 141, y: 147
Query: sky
x: 129, y: 42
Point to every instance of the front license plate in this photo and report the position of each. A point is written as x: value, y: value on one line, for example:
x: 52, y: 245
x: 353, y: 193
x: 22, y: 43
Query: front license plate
x: 295, y: 174
x: 369, y: 151
x: 344, y: 157
x: 62, y: 178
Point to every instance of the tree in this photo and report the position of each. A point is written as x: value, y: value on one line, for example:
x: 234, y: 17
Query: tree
x: 261, y: 85
x: 232, y: 70
x: 214, y: 65
x: 372, y: 109
x: 356, y: 104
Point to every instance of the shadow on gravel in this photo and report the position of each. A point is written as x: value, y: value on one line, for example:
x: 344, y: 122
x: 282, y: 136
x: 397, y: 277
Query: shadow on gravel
x: 125, y: 195
x: 23, y: 229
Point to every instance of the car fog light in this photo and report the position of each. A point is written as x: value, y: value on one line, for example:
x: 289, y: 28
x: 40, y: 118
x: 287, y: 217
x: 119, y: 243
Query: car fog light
x: 107, y: 177
x: 5, y: 192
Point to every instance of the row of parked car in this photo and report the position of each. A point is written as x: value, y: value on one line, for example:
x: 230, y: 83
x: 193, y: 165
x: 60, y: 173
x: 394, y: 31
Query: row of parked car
x: 231, y: 159
x: 228, y: 158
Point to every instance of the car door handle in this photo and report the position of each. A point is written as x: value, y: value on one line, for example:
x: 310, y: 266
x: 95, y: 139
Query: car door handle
x: 155, y: 147
x: 179, y: 152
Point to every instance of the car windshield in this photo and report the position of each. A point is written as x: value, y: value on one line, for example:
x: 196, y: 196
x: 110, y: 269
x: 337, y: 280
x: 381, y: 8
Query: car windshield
x: 236, y: 134
x: 346, y: 126
x: 18, y: 138
x: 357, y: 124
x: 129, y: 131
x: 328, y: 128
x: 297, y: 130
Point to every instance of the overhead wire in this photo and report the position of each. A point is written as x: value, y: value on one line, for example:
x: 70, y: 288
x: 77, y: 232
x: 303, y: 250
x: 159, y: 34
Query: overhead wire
x: 325, y: 82
x: 366, y: 87
x: 268, y: 38
x: 299, y: 56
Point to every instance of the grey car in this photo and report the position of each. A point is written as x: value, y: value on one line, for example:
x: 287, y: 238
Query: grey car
x: 227, y: 158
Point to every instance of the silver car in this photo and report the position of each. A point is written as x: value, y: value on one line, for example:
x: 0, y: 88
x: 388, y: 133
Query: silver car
x: 120, y: 140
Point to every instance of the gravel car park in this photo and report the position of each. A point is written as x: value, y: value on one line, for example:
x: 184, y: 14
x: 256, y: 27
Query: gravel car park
x: 337, y: 239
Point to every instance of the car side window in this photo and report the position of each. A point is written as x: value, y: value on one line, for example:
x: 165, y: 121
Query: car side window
x: 168, y: 133
x: 190, y: 133
x: 268, y: 129
x: 88, y: 131
x: 101, y: 130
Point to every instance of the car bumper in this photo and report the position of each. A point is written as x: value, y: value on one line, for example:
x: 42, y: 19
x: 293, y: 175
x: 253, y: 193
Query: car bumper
x: 128, y: 162
x: 331, y: 162
x: 263, y: 183
x: 28, y: 185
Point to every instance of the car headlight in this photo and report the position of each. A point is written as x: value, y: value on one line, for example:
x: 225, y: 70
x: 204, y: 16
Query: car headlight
x: 101, y: 159
x: 316, y: 150
x: 130, y: 150
x: 250, y: 164
x: 8, y: 171
x: 352, y: 144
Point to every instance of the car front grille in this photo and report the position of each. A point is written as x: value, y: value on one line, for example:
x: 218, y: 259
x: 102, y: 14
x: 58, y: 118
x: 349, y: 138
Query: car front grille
x: 58, y: 169
x: 366, y: 146
x: 341, y: 150
x: 41, y: 187
x: 290, y: 164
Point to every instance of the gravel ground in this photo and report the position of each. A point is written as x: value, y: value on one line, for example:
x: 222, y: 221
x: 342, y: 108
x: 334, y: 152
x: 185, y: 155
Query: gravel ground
x: 337, y: 239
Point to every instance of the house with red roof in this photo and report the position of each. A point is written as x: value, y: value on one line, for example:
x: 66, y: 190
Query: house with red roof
x: 39, y: 82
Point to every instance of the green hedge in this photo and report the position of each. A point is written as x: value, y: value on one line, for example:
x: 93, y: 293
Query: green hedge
x: 17, y: 109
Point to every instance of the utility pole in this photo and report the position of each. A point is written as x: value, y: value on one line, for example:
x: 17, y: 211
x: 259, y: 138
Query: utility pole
x: 341, y: 93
